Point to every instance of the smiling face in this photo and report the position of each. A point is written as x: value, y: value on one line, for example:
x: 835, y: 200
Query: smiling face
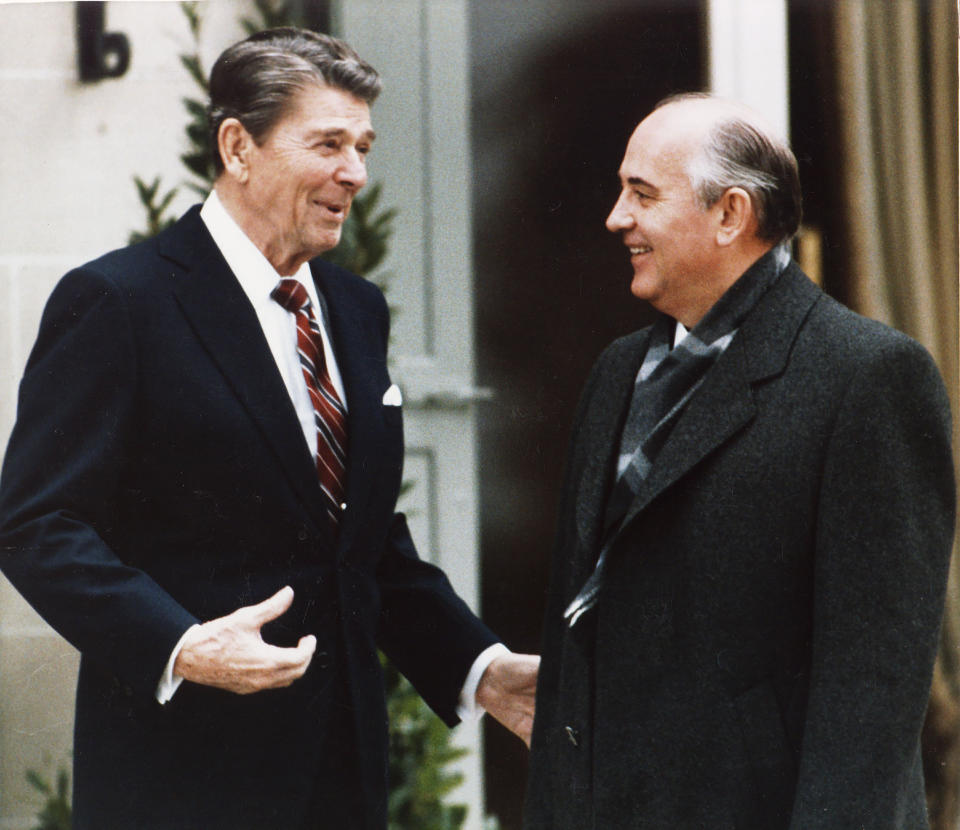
x: 296, y: 187
x: 670, y: 236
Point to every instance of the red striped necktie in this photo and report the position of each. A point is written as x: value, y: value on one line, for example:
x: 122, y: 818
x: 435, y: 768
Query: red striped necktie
x: 330, y: 415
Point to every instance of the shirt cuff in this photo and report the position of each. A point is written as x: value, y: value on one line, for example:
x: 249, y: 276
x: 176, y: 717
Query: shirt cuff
x: 468, y: 710
x: 169, y: 682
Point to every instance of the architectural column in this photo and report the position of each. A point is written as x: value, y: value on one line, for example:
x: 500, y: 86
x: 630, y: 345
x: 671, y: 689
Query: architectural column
x: 748, y: 55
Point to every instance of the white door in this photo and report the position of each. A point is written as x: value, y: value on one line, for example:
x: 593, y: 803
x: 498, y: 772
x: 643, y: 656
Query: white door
x: 422, y: 159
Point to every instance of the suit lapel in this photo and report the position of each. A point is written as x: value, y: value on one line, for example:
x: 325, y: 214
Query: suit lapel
x: 725, y: 402
x: 228, y: 328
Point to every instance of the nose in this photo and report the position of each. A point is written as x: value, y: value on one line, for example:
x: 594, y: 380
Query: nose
x: 619, y: 218
x: 352, y: 173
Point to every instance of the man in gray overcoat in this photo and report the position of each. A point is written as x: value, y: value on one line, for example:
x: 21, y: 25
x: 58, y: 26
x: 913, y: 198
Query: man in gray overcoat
x: 755, y: 527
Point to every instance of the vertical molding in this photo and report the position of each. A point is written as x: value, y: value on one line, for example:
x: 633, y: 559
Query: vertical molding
x: 451, y: 165
x: 422, y: 156
x: 427, y: 189
x: 748, y: 55
x: 421, y: 501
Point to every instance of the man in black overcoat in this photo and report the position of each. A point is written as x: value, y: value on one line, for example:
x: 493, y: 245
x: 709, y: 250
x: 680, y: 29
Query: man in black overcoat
x: 199, y: 492
x: 755, y: 524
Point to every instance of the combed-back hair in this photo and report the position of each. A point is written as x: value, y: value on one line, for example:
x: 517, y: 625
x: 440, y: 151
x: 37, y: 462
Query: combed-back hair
x: 256, y: 79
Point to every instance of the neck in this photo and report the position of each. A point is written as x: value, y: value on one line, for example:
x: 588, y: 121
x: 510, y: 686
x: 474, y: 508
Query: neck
x: 724, y: 276
x: 269, y: 240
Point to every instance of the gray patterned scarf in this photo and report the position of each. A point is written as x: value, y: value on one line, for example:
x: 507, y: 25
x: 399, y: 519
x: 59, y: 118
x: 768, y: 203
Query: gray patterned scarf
x: 667, y: 380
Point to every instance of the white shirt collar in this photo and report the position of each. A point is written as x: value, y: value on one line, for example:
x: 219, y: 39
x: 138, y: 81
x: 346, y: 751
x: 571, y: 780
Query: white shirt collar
x: 679, y: 332
x: 251, y: 268
x: 257, y: 278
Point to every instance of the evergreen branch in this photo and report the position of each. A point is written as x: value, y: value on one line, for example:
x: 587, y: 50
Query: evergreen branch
x: 197, y: 109
x: 156, y: 210
x: 191, y: 11
x: 55, y: 813
x: 192, y: 65
x: 271, y: 15
x: 35, y: 780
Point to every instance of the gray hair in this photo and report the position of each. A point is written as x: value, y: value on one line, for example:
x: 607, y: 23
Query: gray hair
x: 255, y: 80
x: 739, y: 153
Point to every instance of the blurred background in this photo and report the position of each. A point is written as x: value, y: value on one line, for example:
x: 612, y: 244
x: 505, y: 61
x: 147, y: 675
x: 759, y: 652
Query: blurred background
x: 500, y: 132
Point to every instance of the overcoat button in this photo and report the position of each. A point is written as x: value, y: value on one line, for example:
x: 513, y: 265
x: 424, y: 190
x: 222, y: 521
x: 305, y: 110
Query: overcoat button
x: 322, y: 659
x: 573, y: 735
x: 302, y: 534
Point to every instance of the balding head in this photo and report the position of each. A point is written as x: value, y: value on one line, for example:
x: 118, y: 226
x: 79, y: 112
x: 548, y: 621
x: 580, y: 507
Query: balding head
x: 731, y: 145
x: 706, y: 190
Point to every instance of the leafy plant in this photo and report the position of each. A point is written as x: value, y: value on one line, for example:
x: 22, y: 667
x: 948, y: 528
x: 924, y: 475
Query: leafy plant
x: 420, y: 751
x: 199, y: 158
x: 271, y: 15
x: 156, y: 207
x: 55, y: 814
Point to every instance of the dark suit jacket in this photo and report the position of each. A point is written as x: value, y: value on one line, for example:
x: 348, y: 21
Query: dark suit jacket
x: 157, y: 476
x: 761, y: 653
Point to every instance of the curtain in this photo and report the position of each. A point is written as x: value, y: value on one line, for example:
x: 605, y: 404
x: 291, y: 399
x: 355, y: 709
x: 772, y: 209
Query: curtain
x: 896, y: 91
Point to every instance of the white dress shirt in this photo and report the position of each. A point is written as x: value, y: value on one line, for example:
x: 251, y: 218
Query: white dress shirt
x: 258, y: 278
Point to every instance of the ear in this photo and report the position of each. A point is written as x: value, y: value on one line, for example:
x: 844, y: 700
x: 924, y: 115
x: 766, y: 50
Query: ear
x: 736, y: 216
x: 234, y: 144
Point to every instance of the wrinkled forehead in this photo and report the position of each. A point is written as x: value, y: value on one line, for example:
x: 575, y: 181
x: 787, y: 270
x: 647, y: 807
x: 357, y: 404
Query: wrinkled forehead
x: 661, y: 146
x: 322, y: 106
x: 689, y: 122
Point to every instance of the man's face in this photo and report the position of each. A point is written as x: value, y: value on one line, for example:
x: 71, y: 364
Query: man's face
x: 303, y: 177
x: 669, y: 235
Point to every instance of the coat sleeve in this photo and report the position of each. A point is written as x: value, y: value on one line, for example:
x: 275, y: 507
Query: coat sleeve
x: 428, y: 631
x: 61, y: 474
x: 884, y: 533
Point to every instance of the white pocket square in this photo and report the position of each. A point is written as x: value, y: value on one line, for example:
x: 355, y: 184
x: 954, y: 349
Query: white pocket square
x: 392, y: 396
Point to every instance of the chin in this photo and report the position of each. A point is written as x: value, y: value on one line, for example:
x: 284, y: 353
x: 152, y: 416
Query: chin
x: 641, y: 289
x: 327, y: 242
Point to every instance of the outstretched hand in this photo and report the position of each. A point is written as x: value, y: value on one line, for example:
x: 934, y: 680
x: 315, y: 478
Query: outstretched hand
x: 508, y: 690
x: 229, y: 653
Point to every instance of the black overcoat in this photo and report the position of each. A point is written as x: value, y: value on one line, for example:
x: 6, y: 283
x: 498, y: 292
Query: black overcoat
x: 761, y: 654
x: 157, y: 476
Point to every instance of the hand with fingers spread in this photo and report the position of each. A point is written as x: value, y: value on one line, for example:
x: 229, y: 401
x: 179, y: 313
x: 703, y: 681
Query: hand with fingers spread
x: 229, y: 652
x: 507, y: 691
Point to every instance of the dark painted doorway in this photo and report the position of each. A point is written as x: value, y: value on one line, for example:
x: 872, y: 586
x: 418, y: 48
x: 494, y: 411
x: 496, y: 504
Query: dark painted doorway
x: 558, y: 86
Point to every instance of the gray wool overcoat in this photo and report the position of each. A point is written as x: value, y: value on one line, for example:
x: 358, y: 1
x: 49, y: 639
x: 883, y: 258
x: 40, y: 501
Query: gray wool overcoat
x: 761, y: 653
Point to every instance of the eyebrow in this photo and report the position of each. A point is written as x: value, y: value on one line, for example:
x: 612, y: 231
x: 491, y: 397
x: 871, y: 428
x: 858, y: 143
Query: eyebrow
x: 636, y: 181
x: 337, y: 132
